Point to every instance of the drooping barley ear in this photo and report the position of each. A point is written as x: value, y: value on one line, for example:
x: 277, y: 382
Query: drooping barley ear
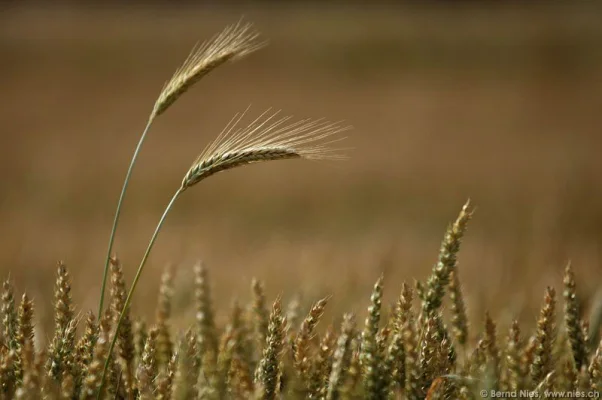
x: 260, y: 313
x: 262, y: 140
x: 572, y: 318
x: 595, y: 370
x: 232, y: 44
x: 268, y: 374
x: 514, y: 377
x: 267, y: 138
x: 458, y: 309
x: 301, y: 353
x: 207, y: 335
x: 440, y: 276
x: 125, y: 337
x: 341, y: 358
x: 24, y: 332
x: 163, y: 313
x: 9, y: 316
x: 492, y: 354
x: 63, y: 318
x: 410, y: 343
x: 94, y: 371
x: 542, y: 358
x: 370, y: 357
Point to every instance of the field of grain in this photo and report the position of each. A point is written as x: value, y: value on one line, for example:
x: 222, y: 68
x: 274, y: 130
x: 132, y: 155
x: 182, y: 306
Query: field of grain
x: 497, y: 104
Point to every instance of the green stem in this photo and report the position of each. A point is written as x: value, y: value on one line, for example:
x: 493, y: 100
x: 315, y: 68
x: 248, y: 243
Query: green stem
x: 118, y: 212
x: 133, y: 287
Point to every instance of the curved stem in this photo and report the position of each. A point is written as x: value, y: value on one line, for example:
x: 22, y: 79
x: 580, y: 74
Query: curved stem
x: 118, y: 212
x: 133, y: 287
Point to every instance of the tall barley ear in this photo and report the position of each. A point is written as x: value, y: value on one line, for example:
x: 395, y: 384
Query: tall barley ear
x: 267, y: 138
x: 259, y: 315
x: 24, y: 332
x: 458, y: 309
x: 493, y: 354
x: 231, y: 44
x: 543, y: 363
x: 410, y: 338
x: 9, y: 316
x: 320, y: 370
x: 163, y: 313
x: 147, y: 368
x: 93, y: 373
x: 371, y: 358
x: 269, y: 371
x: 595, y: 370
x: 63, y: 318
x: 572, y: 319
x: 513, y: 375
x: 301, y: 345
x: 124, y: 336
x: 341, y: 358
x: 207, y: 336
x: 440, y: 276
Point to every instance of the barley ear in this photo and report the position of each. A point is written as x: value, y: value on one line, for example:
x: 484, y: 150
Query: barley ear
x: 163, y: 314
x: 371, y: 357
x: 572, y: 319
x: 514, y: 378
x: 543, y: 363
x: 440, y: 276
x: 458, y: 309
x: 269, y: 371
x: 207, y: 336
x: 233, y: 43
x: 301, y: 354
x: 341, y: 358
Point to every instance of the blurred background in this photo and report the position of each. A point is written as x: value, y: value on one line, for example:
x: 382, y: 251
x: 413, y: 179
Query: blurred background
x: 499, y: 102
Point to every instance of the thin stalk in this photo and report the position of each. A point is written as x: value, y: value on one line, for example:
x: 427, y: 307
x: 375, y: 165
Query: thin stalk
x: 133, y: 287
x: 118, y: 212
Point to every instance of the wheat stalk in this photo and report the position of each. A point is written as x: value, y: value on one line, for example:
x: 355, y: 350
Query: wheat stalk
x: 264, y: 139
x: 233, y: 43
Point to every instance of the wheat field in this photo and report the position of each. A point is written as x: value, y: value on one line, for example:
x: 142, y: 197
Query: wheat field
x: 261, y: 283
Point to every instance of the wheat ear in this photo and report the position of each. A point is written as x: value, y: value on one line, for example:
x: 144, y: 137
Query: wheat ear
x: 240, y: 146
x: 231, y: 44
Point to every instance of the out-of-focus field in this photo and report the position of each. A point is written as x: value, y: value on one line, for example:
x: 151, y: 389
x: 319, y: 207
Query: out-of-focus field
x: 499, y: 104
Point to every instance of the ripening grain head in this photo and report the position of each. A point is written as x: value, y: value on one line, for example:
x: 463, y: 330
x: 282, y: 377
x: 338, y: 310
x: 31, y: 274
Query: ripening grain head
x: 267, y: 138
x: 234, y: 42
